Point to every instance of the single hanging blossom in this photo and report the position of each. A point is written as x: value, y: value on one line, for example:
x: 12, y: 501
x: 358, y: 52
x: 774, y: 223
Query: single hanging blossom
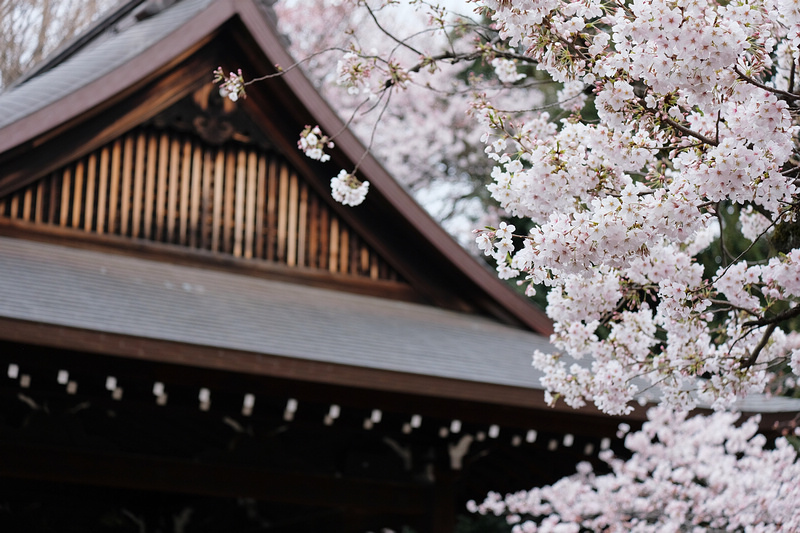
x: 230, y: 86
x: 347, y: 189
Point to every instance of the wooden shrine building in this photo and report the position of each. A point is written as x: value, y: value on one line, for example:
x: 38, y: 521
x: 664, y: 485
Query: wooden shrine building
x: 195, y: 337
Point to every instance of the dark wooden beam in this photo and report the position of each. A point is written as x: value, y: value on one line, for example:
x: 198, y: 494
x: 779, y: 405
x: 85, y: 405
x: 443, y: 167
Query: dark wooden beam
x: 105, y: 469
x: 303, y: 370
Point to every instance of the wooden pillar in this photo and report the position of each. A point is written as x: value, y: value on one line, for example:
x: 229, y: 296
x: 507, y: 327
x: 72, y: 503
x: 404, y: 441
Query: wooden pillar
x: 443, y: 512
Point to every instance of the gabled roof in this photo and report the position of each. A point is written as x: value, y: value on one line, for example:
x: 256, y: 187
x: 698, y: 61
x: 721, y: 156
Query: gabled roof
x: 60, y: 288
x: 127, y: 70
x: 131, y: 71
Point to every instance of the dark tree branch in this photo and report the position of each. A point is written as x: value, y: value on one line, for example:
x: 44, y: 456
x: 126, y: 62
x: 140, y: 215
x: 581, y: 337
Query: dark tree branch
x: 691, y: 133
x: 760, y: 346
x: 748, y: 79
x: 774, y: 320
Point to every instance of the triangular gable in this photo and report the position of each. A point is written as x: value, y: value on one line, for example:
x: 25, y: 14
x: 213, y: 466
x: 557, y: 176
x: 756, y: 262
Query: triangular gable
x: 112, y: 103
x: 201, y: 184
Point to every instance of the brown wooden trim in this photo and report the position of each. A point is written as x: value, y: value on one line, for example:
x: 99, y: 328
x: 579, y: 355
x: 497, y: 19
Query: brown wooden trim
x: 283, y: 367
x: 141, y: 472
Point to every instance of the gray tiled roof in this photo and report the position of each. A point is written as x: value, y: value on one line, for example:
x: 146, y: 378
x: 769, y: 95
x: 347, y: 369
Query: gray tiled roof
x: 118, y: 294
x: 104, y: 54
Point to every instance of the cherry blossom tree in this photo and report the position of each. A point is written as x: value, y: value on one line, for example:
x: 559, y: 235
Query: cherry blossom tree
x: 696, y: 474
x: 671, y: 139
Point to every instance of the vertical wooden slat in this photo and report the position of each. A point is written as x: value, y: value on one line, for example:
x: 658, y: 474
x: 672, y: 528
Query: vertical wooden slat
x: 291, y: 228
x: 91, y: 170
x: 261, y: 194
x: 66, y: 186
x: 333, y: 255
x: 27, y: 204
x: 173, y: 187
x: 138, y: 185
x: 283, y: 212
x: 302, y: 223
x: 14, y: 206
x: 161, y: 191
x: 206, y: 202
x: 364, y: 260
x: 150, y: 184
x: 102, y: 188
x: 324, y: 235
x: 219, y: 183
x: 238, y: 210
x: 228, y: 198
x: 250, y: 205
x: 313, y: 230
x: 38, y: 216
x: 374, y: 271
x: 2, y: 207
x: 272, y: 206
x: 344, y: 250
x: 53, y: 199
x: 127, y: 171
x: 186, y: 181
x: 355, y: 258
x: 114, y: 187
x: 194, y: 209
x: 77, y: 195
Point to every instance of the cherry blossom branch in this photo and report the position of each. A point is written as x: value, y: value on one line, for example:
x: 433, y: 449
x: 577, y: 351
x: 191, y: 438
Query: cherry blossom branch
x: 748, y: 79
x: 746, y: 250
x: 774, y: 320
x: 388, y: 33
x: 750, y: 361
x: 727, y: 306
x: 691, y: 133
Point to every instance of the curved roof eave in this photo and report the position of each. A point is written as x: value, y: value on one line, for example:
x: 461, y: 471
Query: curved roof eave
x: 90, y: 80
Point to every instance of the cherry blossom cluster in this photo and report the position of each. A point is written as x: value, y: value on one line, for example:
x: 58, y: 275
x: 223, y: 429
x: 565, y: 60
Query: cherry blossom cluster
x: 353, y: 72
x: 347, y: 189
x: 313, y: 143
x: 506, y: 70
x: 684, y: 474
x: 230, y: 86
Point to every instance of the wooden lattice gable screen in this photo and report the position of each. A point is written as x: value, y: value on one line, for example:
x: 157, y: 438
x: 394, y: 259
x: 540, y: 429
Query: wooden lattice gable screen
x: 174, y: 187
